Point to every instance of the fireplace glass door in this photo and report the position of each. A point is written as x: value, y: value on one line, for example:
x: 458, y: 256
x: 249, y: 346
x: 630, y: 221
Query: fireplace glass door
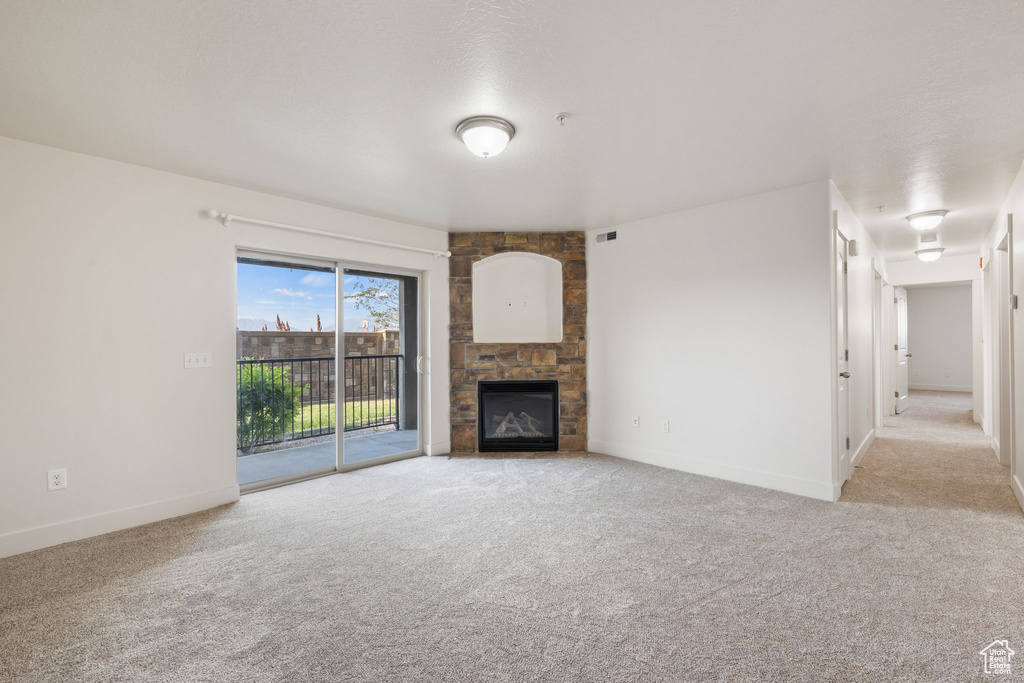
x: 518, y: 416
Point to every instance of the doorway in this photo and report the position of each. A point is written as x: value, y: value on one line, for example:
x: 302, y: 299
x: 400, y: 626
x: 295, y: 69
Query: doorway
x: 1003, y: 423
x: 323, y: 348
x: 844, y: 465
x: 902, y: 391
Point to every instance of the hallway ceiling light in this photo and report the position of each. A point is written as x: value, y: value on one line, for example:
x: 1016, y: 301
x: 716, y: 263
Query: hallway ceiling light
x: 485, y: 136
x: 929, y: 254
x: 926, y: 220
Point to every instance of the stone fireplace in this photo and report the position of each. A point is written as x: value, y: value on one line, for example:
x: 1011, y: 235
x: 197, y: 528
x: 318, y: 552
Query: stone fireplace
x: 563, y: 362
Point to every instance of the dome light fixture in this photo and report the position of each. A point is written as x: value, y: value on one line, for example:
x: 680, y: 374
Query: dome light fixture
x: 485, y: 136
x: 926, y: 220
x: 928, y: 255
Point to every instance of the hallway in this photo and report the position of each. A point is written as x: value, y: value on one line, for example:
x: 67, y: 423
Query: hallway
x: 933, y: 455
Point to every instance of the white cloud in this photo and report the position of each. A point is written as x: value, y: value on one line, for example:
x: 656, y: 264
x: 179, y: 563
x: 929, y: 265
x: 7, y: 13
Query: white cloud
x: 291, y: 292
x: 317, y: 280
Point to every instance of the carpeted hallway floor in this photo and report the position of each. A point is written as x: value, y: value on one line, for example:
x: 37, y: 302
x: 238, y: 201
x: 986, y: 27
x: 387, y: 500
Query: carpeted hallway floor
x: 593, y: 570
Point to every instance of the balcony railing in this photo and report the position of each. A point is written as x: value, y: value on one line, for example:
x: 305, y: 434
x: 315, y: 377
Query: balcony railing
x: 285, y: 399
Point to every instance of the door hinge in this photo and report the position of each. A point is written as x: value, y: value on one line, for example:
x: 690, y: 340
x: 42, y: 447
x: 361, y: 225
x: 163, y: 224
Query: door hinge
x: 845, y: 270
x: 897, y: 394
x: 895, y: 347
x: 847, y: 443
x: 847, y: 357
x: 895, y: 300
x: 1013, y: 302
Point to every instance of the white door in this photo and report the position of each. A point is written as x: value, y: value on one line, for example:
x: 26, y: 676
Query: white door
x: 843, y: 356
x: 902, y: 356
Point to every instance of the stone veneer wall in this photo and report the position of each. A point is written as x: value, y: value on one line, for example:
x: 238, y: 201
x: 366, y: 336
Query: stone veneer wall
x: 565, y: 362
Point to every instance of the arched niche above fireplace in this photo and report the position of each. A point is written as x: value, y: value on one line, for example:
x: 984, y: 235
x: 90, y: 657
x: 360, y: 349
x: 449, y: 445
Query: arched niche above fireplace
x: 517, y: 298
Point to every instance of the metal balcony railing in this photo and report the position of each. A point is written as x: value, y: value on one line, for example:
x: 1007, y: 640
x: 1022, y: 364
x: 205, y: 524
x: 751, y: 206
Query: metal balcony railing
x: 284, y: 399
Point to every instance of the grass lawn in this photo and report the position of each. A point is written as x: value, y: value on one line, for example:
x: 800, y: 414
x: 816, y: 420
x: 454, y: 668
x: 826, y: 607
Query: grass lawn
x: 357, y: 413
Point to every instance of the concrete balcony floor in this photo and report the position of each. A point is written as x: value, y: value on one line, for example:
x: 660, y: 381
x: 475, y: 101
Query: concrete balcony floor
x: 314, y: 456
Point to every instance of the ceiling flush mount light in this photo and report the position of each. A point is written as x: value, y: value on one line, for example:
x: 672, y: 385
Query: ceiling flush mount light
x: 929, y: 254
x: 485, y: 136
x: 926, y: 220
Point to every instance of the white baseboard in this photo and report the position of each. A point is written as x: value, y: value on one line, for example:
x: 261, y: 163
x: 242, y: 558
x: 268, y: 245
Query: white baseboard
x: 17, y: 542
x: 742, y: 475
x: 863, y: 448
x: 1018, y: 490
x: 940, y: 387
x: 442, y: 448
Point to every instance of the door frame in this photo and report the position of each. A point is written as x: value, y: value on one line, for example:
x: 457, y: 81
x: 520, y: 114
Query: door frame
x: 342, y: 466
x: 1004, y: 431
x: 841, y: 452
x: 879, y: 341
x: 300, y: 259
x: 989, y: 332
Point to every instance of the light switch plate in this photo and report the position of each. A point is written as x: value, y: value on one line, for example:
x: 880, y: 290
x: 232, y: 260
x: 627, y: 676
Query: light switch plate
x: 198, y: 360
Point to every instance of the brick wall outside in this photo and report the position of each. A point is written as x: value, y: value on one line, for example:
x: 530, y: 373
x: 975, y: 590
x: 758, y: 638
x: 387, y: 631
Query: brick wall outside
x: 366, y: 379
x: 565, y: 362
x: 275, y: 344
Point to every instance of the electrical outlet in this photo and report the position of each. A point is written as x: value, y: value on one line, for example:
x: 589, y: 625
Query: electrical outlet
x: 636, y: 421
x: 509, y: 304
x: 198, y: 360
x: 665, y: 426
x: 56, y: 479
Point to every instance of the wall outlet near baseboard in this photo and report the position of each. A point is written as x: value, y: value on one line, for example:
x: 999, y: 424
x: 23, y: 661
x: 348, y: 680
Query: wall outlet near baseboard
x: 56, y: 479
x: 665, y: 426
x: 636, y: 422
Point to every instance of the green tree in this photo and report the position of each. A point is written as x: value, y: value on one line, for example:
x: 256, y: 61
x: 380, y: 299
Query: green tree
x: 379, y: 297
x: 267, y: 403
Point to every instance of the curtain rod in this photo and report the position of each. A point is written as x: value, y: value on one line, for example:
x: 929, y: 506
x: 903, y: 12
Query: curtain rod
x: 226, y: 218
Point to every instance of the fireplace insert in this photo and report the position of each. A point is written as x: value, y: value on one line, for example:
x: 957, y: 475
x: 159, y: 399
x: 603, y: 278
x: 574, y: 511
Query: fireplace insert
x: 517, y: 415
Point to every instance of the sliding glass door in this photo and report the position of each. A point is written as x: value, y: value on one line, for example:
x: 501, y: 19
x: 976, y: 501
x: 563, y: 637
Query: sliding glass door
x: 381, y: 369
x: 286, y: 371
x: 300, y: 380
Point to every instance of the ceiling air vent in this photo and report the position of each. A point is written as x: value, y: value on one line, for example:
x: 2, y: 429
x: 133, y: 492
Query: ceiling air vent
x: 607, y: 236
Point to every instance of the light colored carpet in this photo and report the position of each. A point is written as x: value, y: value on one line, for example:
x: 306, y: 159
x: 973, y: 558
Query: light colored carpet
x: 594, y: 569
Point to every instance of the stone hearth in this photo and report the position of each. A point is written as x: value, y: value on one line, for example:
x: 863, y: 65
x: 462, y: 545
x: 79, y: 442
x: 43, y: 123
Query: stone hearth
x: 564, y: 362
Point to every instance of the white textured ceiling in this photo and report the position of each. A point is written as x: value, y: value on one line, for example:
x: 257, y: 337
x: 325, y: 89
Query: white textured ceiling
x: 915, y: 105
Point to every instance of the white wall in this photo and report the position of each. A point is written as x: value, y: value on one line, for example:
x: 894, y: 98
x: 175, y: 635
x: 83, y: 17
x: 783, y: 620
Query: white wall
x: 108, y: 274
x: 1014, y: 205
x: 946, y: 269
x: 939, y: 324
x: 718, y: 320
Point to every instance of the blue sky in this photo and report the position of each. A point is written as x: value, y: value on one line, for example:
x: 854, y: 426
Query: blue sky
x: 296, y: 295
